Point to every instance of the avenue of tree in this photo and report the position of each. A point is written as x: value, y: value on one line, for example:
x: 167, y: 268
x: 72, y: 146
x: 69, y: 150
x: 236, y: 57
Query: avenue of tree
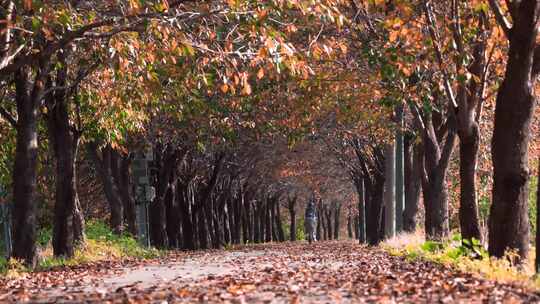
x: 385, y: 112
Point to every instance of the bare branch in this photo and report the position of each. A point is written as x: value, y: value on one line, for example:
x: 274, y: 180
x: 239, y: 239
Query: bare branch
x: 417, y: 116
x: 501, y: 19
x: 438, y: 54
x: 8, y: 117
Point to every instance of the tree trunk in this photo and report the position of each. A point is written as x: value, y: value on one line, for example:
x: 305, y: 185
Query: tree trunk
x: 468, y: 210
x: 103, y: 167
x: 537, y: 237
x: 166, y: 159
x: 220, y: 222
x: 173, y: 214
x: 125, y: 186
x: 228, y: 222
x: 390, y: 191
x: 413, y: 183
x: 437, y: 150
x: 337, y: 213
x: 374, y: 213
x: 79, y: 224
x: 272, y: 217
x: 399, y: 171
x: 64, y: 146
x: 247, y: 230
x: 436, y: 206
x: 356, y: 229
x: 320, y: 222
x: 361, y: 221
x: 202, y: 229
x: 239, y: 219
x: 268, y: 221
x: 25, y: 170
x: 329, y: 227
x: 188, y: 233
x: 279, y: 223
x: 64, y: 138
x: 257, y: 223
x: 349, y: 226
x: 508, y: 221
x: 322, y: 219
x: 292, y: 216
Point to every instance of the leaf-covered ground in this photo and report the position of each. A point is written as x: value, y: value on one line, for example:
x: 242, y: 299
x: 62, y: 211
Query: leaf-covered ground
x: 325, y: 272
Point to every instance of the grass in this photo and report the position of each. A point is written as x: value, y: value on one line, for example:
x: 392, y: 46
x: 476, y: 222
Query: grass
x: 452, y: 253
x: 101, y: 244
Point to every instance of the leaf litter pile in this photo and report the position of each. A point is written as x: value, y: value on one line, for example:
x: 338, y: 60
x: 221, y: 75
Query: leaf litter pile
x: 325, y: 272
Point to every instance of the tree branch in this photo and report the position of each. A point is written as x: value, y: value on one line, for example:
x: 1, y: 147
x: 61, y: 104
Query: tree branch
x: 439, y: 55
x: 418, y: 121
x: 501, y: 19
x: 447, y: 149
x: 8, y: 117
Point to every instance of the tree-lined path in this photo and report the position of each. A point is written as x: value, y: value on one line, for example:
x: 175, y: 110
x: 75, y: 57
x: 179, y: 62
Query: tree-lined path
x: 145, y: 133
x: 325, y: 272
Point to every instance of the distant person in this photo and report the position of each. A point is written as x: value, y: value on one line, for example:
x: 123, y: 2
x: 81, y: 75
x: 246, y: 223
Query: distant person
x: 310, y: 221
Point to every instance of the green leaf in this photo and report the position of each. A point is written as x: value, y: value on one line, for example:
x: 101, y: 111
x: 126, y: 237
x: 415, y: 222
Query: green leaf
x: 36, y: 24
x: 64, y: 19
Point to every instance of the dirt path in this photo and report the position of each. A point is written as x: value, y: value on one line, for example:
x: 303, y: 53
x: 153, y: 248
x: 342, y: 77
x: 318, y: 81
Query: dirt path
x: 328, y: 272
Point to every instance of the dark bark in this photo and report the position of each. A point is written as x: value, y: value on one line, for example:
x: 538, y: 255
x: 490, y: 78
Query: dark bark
x: 157, y: 211
x: 372, y: 166
x: 292, y: 215
x: 188, y: 233
x: 103, y: 165
x: 508, y: 221
x: 211, y: 220
x: 173, y: 213
x: 268, y: 221
x: 236, y: 210
x: 247, y: 227
x: 435, y: 193
x: 356, y: 230
x: 320, y: 232
x: 469, y: 219
x: 413, y: 157
x: 349, y: 226
x: 360, y: 223
x: 375, y: 211
x: 328, y: 210
x: 257, y: 223
x: 219, y: 223
x: 79, y: 224
x: 470, y: 99
x: 390, y: 191
x: 279, y: 223
x: 438, y: 138
x: 337, y: 213
x: 228, y: 221
x: 125, y: 186
x: 25, y: 168
x: 64, y: 141
x: 202, y: 229
x: 322, y: 220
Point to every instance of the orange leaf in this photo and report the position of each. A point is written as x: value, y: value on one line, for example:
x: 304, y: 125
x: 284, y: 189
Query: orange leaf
x: 224, y: 88
x: 260, y: 73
